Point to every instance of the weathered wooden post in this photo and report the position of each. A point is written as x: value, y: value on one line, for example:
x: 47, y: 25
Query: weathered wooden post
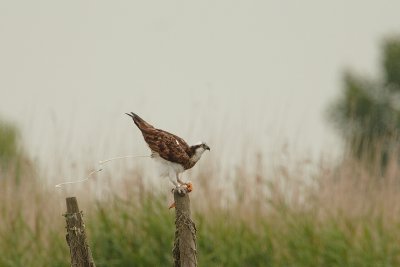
x: 81, y: 256
x: 185, y: 250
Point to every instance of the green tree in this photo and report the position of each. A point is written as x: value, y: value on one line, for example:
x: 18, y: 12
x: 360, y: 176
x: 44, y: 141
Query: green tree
x: 14, y: 162
x: 368, y: 112
x: 391, y: 63
x: 8, y: 143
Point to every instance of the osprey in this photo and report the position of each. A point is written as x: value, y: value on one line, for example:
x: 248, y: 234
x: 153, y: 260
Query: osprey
x: 174, y: 154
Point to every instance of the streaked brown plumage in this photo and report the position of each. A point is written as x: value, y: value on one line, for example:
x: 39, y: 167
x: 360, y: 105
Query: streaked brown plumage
x: 169, y: 147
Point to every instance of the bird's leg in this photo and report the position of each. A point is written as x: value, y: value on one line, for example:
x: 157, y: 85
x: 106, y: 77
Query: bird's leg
x: 179, y: 180
x: 189, y: 185
x: 179, y: 183
x: 174, y: 182
x: 187, y: 188
x: 173, y: 177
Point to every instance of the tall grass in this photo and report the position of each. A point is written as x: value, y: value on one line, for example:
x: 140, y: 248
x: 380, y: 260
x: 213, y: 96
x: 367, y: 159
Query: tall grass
x: 258, y: 215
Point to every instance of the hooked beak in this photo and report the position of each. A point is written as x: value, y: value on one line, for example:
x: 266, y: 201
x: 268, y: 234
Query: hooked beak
x: 207, y: 148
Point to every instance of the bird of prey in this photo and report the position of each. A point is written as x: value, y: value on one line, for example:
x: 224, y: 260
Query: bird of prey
x: 171, y: 151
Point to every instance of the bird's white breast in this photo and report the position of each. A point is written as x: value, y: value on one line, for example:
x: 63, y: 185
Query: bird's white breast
x: 167, y: 168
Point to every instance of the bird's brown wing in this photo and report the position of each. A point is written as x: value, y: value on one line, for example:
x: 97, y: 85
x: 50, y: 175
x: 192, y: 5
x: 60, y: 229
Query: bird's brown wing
x: 180, y: 140
x: 167, y: 145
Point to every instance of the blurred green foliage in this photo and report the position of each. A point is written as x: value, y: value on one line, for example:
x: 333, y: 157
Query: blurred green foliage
x: 14, y: 161
x: 391, y: 63
x: 8, y: 143
x: 123, y: 233
x: 368, y: 112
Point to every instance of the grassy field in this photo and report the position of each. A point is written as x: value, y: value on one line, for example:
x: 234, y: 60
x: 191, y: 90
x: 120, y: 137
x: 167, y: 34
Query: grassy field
x: 282, y: 215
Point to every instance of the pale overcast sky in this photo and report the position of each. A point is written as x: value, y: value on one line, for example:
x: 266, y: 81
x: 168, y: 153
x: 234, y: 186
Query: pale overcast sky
x: 232, y: 73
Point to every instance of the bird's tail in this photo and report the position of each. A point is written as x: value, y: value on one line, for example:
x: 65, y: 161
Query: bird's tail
x: 140, y: 123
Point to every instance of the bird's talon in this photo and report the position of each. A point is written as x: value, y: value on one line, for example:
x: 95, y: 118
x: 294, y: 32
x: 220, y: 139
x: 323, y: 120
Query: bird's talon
x: 189, y: 187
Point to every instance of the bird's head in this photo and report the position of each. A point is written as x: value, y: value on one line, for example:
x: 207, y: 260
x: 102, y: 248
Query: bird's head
x: 198, y: 149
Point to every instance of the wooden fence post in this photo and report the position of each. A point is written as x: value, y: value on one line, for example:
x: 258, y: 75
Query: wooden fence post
x: 81, y: 256
x: 185, y: 250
